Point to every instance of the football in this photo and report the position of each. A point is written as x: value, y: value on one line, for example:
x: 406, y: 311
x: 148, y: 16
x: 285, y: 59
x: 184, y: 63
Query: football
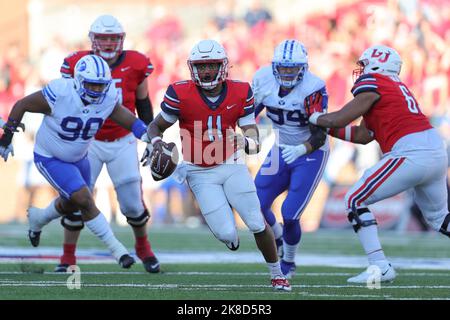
x: 164, y: 161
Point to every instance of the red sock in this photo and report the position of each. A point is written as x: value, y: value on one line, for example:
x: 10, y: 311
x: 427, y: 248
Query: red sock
x: 68, y: 256
x: 143, y: 248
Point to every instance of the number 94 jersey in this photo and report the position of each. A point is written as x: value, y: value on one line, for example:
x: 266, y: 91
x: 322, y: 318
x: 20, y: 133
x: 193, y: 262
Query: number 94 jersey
x: 287, y: 113
x: 395, y: 115
x: 66, y: 133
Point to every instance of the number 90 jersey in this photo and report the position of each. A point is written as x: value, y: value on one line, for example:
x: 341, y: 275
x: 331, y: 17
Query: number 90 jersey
x: 288, y: 114
x: 204, y: 124
x: 66, y: 133
x: 395, y: 115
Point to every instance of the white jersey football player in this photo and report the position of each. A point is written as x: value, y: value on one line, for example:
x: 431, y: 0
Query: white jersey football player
x: 299, y: 155
x: 74, y: 109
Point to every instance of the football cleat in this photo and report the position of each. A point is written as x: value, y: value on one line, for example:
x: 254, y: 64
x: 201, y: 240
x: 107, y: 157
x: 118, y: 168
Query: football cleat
x: 61, y: 267
x: 126, y: 261
x: 151, y: 264
x: 233, y: 246
x: 34, y: 233
x: 281, y: 283
x: 385, y: 273
x: 35, y: 237
x: 288, y: 268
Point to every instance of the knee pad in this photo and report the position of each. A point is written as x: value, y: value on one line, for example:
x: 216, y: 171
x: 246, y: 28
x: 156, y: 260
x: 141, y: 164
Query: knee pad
x: 72, y: 221
x: 354, y: 217
x: 130, y: 200
x: 140, y: 220
x: 444, y: 228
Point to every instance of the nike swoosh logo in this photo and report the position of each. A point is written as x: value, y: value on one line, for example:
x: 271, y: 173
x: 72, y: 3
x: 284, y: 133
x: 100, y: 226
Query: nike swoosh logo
x: 383, y: 273
x: 229, y: 107
x: 125, y: 69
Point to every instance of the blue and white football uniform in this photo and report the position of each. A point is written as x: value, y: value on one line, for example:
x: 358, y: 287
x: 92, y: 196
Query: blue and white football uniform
x: 63, y: 138
x: 290, y: 123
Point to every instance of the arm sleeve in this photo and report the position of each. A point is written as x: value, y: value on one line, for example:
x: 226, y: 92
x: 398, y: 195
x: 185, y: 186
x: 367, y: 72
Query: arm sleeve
x: 365, y: 83
x: 249, y: 105
x: 144, y: 110
x: 171, y: 103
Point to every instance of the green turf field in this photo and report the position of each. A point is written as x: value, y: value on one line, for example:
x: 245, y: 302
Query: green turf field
x: 191, y: 279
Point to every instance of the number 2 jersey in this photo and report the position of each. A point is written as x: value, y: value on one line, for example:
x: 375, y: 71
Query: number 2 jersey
x: 66, y: 133
x: 204, y: 124
x: 287, y: 113
x: 127, y: 72
x: 395, y: 115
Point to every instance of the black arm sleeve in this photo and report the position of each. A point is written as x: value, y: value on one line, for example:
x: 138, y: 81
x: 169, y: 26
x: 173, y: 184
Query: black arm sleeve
x: 318, y: 136
x: 144, y: 110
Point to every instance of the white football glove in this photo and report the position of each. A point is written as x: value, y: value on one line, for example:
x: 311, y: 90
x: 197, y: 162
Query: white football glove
x: 5, y: 151
x: 258, y: 94
x: 291, y: 153
x: 145, y: 160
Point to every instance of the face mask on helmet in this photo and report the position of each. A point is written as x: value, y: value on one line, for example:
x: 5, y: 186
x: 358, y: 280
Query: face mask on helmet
x: 107, y: 36
x: 378, y: 59
x: 92, y: 79
x: 289, y: 63
x: 208, y: 64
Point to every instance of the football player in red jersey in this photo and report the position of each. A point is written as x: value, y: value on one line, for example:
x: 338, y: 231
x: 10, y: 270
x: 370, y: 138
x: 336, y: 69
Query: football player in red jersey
x: 208, y: 107
x: 113, y: 145
x: 413, y: 152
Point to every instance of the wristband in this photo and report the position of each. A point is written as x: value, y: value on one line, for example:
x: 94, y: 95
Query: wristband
x: 313, y: 118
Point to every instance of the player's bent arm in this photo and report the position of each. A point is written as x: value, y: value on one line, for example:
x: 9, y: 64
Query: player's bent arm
x: 157, y: 127
x: 356, y: 134
x: 126, y: 119
x: 354, y: 109
x: 34, y: 103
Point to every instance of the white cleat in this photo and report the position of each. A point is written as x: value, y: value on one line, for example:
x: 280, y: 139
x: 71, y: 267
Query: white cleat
x: 384, y: 273
x: 35, y: 225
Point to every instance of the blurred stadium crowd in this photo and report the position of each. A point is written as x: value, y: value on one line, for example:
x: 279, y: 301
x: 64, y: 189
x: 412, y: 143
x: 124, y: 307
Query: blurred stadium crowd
x: 418, y: 30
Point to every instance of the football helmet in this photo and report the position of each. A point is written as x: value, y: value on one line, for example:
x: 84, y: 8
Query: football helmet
x: 378, y: 59
x: 208, y: 52
x: 289, y: 63
x: 92, y: 78
x: 107, y: 36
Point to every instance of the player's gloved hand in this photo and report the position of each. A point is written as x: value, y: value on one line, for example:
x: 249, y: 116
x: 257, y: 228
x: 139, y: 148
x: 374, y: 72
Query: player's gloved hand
x: 259, y: 94
x: 291, y: 153
x: 155, y: 145
x: 313, y: 103
x: 5, y: 151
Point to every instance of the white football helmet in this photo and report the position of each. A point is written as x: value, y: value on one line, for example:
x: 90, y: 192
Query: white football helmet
x: 206, y: 52
x: 92, y: 79
x: 378, y: 59
x: 291, y: 58
x: 107, y: 36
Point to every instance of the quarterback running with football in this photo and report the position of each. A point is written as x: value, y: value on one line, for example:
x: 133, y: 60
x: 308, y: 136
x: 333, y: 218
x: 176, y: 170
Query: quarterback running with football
x: 414, y: 154
x: 74, y: 110
x: 300, y: 152
x: 208, y: 107
x: 113, y: 145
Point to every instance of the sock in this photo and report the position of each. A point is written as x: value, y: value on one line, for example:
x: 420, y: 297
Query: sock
x: 143, y: 248
x: 68, y: 256
x: 368, y: 236
x: 292, y: 234
x: 289, y: 251
x: 275, y: 269
x: 277, y: 230
x: 101, y: 229
x: 48, y: 214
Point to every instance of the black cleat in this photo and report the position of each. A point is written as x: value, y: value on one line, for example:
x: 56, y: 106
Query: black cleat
x: 151, y: 264
x: 126, y: 261
x: 35, y: 237
x: 61, y: 267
